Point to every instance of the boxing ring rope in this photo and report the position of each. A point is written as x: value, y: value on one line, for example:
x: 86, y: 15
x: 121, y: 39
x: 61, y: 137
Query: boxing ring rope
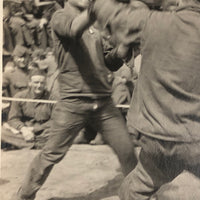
x: 46, y: 101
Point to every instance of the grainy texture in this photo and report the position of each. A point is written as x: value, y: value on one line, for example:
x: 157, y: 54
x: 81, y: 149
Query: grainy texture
x: 86, y: 173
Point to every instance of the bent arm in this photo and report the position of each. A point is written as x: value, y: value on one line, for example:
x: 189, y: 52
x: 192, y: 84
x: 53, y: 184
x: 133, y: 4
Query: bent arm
x: 67, y: 25
x: 126, y: 23
x: 15, y: 115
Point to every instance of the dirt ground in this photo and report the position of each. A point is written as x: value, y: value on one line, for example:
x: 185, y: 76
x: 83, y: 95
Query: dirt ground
x: 86, y: 173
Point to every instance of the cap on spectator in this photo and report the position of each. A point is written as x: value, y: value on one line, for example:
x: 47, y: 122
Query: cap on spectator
x: 36, y: 72
x: 38, y: 54
x: 42, y: 64
x: 20, y: 51
x: 33, y: 65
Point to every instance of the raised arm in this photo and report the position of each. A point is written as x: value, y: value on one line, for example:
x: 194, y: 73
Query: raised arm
x: 126, y: 22
x: 65, y: 24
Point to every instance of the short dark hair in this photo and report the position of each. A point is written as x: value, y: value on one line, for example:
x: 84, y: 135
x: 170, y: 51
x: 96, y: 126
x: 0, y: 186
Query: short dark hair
x: 34, y: 65
x: 36, y: 72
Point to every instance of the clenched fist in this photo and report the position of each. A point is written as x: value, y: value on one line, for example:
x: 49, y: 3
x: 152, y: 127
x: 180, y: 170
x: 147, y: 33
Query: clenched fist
x: 27, y: 133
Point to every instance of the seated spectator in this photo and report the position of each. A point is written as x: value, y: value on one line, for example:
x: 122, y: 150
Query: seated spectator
x: 17, y: 79
x: 29, y: 121
x: 46, y: 61
x: 19, y: 29
x: 44, y: 30
x: 8, y: 45
x: 52, y: 74
x: 32, y: 15
x: 37, y: 15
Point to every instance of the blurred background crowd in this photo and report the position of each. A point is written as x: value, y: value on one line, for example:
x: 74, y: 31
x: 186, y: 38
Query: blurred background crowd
x: 27, y: 55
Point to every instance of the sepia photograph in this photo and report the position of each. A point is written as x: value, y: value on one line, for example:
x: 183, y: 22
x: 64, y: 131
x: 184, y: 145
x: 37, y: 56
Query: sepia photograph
x: 100, y: 100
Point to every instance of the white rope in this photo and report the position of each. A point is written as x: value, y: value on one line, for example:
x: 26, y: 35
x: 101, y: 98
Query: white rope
x: 122, y: 106
x: 29, y: 100
x: 47, y: 101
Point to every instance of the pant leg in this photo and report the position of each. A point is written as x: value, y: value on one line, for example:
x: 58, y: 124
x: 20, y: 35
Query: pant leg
x: 143, y: 181
x: 159, y: 163
x: 41, y: 139
x: 111, y: 125
x: 65, y: 127
x: 188, y: 158
x: 190, y: 155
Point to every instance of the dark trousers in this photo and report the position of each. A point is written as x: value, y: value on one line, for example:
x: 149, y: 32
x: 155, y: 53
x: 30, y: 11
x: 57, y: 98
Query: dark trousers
x: 65, y: 126
x: 159, y: 163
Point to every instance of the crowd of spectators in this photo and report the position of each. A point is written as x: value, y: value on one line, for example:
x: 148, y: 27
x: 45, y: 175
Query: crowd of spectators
x: 27, y: 55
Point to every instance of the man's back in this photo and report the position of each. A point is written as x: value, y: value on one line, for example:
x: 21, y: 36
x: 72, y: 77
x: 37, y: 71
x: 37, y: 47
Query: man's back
x: 167, y: 97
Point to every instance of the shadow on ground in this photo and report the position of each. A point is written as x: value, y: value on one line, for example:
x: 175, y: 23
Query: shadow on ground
x: 106, y: 191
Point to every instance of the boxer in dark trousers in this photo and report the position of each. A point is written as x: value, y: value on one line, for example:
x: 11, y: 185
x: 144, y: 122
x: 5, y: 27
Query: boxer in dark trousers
x: 85, y: 95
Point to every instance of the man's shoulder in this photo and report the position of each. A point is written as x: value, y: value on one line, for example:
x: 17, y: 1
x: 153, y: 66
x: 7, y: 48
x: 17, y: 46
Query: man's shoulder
x: 62, y: 11
x: 68, y: 11
x: 159, y: 21
x: 162, y: 18
x: 59, y: 11
x: 22, y: 94
x: 19, y: 71
x: 9, y: 74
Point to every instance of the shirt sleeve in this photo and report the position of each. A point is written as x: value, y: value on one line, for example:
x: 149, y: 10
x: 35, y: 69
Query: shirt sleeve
x: 5, y: 83
x: 128, y: 25
x: 6, y: 80
x: 15, y: 115
x: 61, y: 23
x: 41, y: 127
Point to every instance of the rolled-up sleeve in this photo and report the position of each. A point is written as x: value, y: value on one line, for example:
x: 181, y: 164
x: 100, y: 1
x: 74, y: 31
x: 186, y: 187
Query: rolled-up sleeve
x: 128, y: 25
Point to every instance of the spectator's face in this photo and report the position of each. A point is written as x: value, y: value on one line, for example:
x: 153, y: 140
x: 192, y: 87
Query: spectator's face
x: 37, y: 84
x: 20, y: 61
